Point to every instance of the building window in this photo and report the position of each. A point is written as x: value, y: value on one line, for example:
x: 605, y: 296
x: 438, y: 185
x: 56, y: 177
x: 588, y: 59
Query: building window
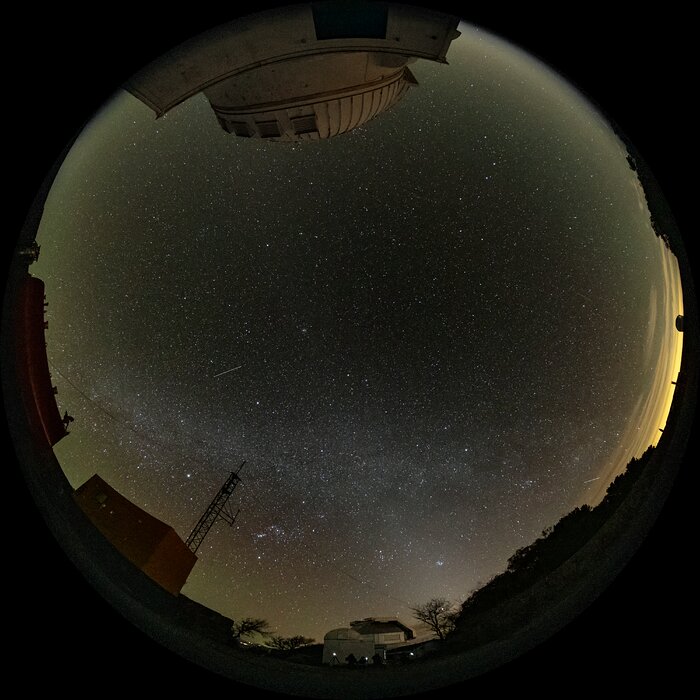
x: 268, y: 130
x: 241, y: 129
x: 392, y: 637
x: 305, y: 124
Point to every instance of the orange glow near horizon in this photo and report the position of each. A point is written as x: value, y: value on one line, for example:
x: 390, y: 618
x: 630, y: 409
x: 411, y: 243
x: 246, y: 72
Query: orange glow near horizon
x: 651, y: 411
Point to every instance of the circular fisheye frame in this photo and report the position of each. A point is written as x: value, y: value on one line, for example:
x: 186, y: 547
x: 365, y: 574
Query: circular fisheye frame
x: 348, y: 351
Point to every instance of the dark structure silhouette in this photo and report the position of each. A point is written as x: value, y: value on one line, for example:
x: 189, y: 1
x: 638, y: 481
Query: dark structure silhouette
x: 216, y: 510
x: 67, y: 420
x: 31, y: 363
x: 150, y: 544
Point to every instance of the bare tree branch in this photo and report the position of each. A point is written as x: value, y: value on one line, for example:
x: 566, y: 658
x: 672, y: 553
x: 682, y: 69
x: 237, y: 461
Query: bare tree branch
x: 289, y: 643
x: 250, y: 625
x: 438, y: 614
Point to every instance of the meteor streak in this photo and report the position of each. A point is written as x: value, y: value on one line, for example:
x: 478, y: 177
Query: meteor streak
x: 226, y: 371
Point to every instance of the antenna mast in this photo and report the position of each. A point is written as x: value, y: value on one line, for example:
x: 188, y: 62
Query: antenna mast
x: 217, y: 510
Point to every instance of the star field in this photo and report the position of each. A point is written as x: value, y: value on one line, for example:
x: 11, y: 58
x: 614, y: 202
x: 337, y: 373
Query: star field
x: 440, y: 324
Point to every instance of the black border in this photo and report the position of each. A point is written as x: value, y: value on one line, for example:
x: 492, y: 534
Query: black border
x: 63, y: 635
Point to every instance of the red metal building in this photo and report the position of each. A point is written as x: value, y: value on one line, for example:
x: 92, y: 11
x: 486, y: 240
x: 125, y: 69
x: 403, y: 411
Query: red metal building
x: 148, y: 543
x: 38, y: 393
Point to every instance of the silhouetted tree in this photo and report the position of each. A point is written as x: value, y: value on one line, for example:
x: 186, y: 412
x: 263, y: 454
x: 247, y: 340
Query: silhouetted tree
x: 250, y: 625
x: 439, y: 614
x: 289, y: 643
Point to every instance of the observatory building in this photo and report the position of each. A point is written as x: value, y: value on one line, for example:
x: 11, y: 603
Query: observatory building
x: 365, y: 638
x: 300, y: 73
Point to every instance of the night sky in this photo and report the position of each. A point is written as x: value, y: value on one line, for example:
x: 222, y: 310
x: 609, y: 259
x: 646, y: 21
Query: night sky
x: 450, y: 326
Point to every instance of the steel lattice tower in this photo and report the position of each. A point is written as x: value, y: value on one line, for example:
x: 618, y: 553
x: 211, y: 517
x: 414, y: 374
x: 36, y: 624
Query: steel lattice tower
x: 217, y: 509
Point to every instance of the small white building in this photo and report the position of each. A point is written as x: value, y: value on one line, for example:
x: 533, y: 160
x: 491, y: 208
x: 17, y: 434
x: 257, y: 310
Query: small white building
x: 364, y: 639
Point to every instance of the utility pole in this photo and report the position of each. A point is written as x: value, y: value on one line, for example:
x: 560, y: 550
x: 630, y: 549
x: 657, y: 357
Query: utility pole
x: 217, y: 509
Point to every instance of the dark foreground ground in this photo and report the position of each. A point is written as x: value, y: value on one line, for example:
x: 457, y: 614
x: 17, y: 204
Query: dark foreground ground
x: 65, y: 635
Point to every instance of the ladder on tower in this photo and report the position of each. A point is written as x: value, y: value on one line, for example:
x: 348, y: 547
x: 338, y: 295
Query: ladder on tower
x: 217, y: 509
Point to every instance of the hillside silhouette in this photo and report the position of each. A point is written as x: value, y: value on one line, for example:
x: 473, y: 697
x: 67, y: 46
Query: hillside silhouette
x: 535, y: 576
